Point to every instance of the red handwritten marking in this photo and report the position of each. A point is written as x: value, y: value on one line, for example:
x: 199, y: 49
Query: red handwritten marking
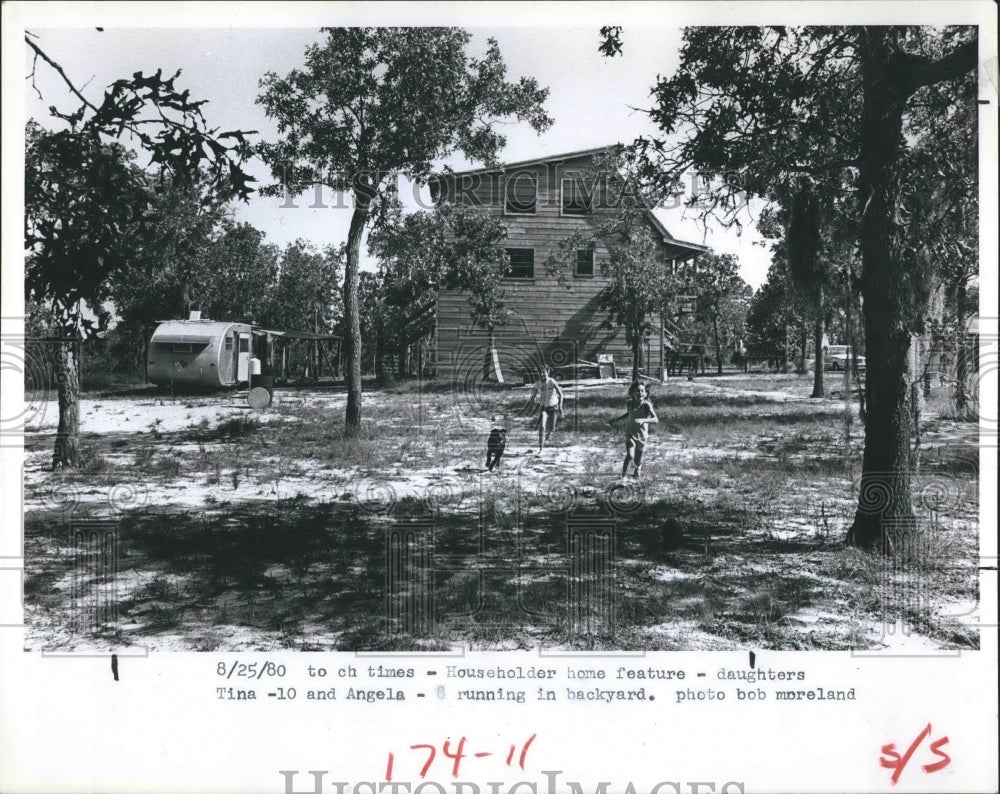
x: 459, y: 753
x: 936, y: 749
x: 892, y: 760
x: 457, y: 756
x: 430, y: 757
x: 524, y: 752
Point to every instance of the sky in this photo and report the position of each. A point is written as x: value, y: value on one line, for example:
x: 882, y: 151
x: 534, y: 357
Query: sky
x: 593, y: 100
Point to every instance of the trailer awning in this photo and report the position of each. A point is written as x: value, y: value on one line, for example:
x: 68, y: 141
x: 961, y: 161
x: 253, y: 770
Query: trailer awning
x: 295, y: 334
x: 182, y: 339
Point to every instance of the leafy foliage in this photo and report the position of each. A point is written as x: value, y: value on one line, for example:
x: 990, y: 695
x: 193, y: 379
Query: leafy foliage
x: 372, y: 103
x: 168, y: 259
x: 772, y: 312
x: 453, y: 247
x: 72, y: 232
x: 639, y: 280
x: 240, y: 276
x: 84, y: 196
x: 723, y: 301
x: 305, y: 295
x: 611, y: 41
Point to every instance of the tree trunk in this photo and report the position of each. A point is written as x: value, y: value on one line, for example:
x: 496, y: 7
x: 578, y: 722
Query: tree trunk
x: 884, y: 505
x: 185, y: 300
x: 352, y: 317
x: 718, y: 344
x: 961, y: 351
x: 853, y: 342
x: 316, y: 351
x: 788, y: 346
x: 403, y: 358
x: 636, y: 357
x: 66, y: 453
x: 933, y: 355
x: 818, y: 387
x: 916, y: 399
x: 663, y: 371
x: 488, y: 359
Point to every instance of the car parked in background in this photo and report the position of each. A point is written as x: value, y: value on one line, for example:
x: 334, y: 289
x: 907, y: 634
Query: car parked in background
x: 838, y: 358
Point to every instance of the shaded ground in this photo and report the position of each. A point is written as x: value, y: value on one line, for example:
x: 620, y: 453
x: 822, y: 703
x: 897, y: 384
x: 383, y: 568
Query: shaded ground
x: 227, y: 529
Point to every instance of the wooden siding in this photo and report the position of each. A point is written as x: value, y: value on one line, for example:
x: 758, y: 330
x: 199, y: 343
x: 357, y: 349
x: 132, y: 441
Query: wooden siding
x: 551, y: 321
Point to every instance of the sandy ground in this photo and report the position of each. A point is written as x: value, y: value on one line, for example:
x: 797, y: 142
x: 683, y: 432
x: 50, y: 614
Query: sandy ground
x: 567, y: 472
x: 145, y: 417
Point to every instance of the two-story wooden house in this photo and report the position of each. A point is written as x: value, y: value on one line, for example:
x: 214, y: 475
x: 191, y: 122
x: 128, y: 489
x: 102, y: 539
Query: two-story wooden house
x: 543, y: 202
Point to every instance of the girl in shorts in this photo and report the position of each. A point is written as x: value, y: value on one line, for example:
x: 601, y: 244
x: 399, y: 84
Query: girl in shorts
x: 640, y: 416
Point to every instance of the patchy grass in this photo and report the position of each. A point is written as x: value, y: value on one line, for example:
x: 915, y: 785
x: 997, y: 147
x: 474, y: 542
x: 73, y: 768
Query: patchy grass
x: 275, y: 530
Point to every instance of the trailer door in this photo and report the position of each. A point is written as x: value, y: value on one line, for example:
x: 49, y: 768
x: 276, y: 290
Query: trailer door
x: 243, y: 359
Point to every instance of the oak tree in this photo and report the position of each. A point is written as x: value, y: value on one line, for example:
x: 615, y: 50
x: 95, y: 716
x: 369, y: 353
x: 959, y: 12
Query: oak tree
x: 85, y: 197
x: 372, y: 104
x: 774, y: 104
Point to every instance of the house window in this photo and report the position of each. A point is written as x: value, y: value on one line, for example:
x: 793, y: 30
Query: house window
x: 584, y: 261
x: 520, y: 193
x: 575, y: 199
x: 522, y: 262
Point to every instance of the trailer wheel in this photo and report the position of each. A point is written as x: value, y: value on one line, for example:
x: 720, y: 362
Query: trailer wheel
x: 259, y: 398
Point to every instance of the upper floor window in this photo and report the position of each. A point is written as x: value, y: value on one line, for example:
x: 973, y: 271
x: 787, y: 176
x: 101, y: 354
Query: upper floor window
x: 520, y: 193
x: 584, y: 261
x: 522, y: 262
x: 576, y: 199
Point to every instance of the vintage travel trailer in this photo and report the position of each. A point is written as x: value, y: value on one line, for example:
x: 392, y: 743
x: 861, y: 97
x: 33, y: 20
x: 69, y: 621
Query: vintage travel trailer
x: 199, y: 353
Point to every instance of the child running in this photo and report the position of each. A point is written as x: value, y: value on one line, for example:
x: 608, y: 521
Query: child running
x: 640, y: 416
x: 550, y: 403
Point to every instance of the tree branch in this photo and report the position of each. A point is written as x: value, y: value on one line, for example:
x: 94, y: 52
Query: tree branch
x: 917, y: 71
x: 40, y: 54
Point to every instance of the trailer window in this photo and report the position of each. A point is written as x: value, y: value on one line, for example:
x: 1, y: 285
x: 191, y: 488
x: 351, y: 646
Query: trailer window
x: 244, y: 344
x: 179, y: 348
x: 229, y: 343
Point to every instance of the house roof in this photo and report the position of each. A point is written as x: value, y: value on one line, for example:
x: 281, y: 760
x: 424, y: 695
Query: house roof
x: 676, y: 249
x: 616, y: 147
x: 684, y: 250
